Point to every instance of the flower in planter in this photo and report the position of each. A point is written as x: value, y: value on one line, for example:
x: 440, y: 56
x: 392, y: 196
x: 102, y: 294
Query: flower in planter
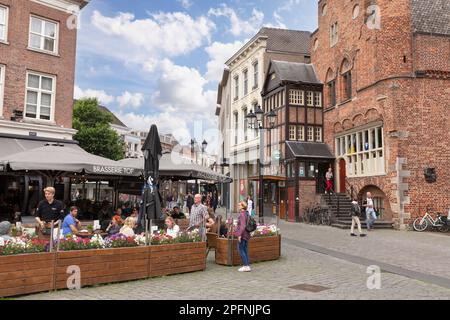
x: 120, y: 241
x: 22, y: 245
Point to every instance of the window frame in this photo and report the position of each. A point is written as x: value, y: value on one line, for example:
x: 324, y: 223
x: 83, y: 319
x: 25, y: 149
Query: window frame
x: 236, y: 87
x: 310, y: 134
x: 332, y: 92
x: 245, y: 81
x: 2, y: 87
x: 334, y: 34
x: 310, y: 98
x: 301, y: 133
x: 255, y: 75
x: 296, y: 97
x: 347, y: 82
x: 39, y: 96
x: 43, y: 36
x: 6, y: 8
x: 318, y: 133
x: 292, y: 132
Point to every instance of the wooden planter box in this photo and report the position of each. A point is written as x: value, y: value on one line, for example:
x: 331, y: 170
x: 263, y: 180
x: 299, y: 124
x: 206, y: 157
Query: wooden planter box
x: 103, y: 265
x: 177, y: 258
x: 26, y: 273
x: 259, y: 249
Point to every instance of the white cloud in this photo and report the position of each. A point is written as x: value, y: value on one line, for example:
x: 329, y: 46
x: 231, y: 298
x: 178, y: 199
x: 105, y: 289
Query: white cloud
x: 219, y: 53
x: 166, y: 122
x: 162, y: 34
x: 133, y: 100
x: 186, y: 4
x: 239, y: 26
x: 180, y: 89
x: 101, y: 95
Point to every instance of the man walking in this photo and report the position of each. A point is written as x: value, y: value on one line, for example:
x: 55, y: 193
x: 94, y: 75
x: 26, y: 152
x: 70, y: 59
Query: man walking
x: 370, y: 211
x: 189, y: 202
x: 198, y: 216
x: 355, y: 213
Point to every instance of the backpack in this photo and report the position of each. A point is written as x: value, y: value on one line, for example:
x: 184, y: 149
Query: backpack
x: 251, y: 223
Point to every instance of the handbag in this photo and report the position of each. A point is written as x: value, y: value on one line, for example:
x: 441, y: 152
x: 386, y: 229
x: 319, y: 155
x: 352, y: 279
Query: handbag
x: 251, y: 224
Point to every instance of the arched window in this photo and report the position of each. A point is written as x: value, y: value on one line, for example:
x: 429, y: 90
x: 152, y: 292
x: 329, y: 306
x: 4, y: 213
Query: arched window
x: 346, y: 80
x: 330, y: 94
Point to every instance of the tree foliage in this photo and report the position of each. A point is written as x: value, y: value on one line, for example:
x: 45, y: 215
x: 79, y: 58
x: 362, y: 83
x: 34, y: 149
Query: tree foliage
x: 94, y: 131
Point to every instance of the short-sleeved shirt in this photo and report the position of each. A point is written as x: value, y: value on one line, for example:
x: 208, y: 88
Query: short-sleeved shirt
x: 68, y: 221
x: 50, y: 211
x: 198, y: 215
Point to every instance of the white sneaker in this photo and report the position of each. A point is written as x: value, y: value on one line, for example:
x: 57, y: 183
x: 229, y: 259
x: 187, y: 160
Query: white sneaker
x: 242, y: 269
x: 247, y: 269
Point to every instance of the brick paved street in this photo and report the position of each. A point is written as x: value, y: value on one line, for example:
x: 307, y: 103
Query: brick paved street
x: 333, y: 260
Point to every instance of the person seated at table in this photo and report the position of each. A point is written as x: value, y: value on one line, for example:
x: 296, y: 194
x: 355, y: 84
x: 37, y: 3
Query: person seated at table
x: 128, y: 227
x: 71, y: 224
x: 119, y: 213
x: 164, y: 213
x: 114, y: 226
x: 172, y: 228
x: 177, y: 214
x: 5, y: 230
x: 210, y: 222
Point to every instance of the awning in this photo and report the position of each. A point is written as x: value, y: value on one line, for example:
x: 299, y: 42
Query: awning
x: 173, y: 165
x: 312, y: 150
x: 44, y: 156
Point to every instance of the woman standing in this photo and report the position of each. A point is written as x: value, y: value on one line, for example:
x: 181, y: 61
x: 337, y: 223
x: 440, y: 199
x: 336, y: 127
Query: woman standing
x: 250, y: 206
x: 243, y: 236
x: 329, y: 180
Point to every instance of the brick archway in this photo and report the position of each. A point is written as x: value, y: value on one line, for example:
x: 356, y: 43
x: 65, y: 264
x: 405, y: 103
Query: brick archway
x: 381, y: 200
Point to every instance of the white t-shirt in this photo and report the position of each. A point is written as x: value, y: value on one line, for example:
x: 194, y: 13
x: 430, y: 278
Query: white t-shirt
x: 249, y: 205
x: 370, y: 203
x: 173, y: 232
x: 127, y: 231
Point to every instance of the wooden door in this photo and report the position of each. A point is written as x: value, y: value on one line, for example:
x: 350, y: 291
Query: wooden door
x: 291, y: 203
x: 342, y: 175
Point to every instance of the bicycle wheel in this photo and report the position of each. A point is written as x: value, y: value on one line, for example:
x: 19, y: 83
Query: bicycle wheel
x: 444, y: 228
x: 420, y: 226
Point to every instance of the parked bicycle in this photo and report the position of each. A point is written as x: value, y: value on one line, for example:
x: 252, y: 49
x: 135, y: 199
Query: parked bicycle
x: 315, y: 214
x: 427, y: 221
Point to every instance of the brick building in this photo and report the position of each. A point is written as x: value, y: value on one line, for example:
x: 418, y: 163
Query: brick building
x: 37, y: 66
x: 385, y: 66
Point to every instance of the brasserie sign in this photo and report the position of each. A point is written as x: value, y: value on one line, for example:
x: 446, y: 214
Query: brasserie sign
x: 113, y: 170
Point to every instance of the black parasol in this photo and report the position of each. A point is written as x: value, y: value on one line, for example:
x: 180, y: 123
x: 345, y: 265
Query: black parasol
x: 152, y: 154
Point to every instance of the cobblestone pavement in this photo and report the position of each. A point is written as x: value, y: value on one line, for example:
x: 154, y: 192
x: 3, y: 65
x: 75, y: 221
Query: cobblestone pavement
x: 345, y: 276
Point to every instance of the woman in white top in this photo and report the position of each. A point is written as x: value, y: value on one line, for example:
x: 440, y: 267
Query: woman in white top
x: 128, y: 226
x: 172, y: 228
x: 249, y: 205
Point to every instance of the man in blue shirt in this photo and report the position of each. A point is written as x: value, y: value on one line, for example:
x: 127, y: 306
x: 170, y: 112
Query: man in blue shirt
x: 71, y: 223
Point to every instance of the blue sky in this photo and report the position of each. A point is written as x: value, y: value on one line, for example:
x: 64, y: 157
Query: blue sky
x: 159, y: 61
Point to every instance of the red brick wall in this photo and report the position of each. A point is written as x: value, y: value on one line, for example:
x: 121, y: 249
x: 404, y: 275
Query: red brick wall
x: 413, y: 110
x: 18, y: 59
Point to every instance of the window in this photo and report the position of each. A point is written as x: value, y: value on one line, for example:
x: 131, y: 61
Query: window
x: 245, y: 82
x: 236, y: 88
x: 292, y: 133
x: 332, y: 92
x: 355, y: 11
x: 245, y: 123
x: 347, y: 82
x: 363, y: 152
x: 3, y: 23
x: 236, y: 127
x: 312, y: 170
x: 40, y: 96
x: 296, y: 97
x: 310, y: 98
x: 333, y: 34
x: 301, y: 133
x: 302, y: 170
x: 318, y: 99
x: 311, y: 134
x: 324, y: 9
x: 255, y: 75
x: 2, y: 87
x: 318, y: 134
x: 316, y: 44
x: 43, y: 35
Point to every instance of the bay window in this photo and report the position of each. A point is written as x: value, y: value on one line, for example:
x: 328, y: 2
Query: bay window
x: 40, y: 96
x: 363, y: 152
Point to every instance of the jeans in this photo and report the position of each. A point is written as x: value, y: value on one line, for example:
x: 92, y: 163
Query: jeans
x: 243, y: 251
x: 370, y: 217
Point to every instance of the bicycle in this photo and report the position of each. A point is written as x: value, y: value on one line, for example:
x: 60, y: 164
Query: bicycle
x: 422, y: 224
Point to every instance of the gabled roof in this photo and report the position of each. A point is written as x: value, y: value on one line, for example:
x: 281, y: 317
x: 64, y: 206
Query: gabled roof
x: 116, y: 120
x: 279, y: 40
x: 431, y: 16
x: 295, y: 72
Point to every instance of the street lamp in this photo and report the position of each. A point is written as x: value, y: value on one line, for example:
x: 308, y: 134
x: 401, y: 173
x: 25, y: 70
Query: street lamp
x: 255, y: 121
x: 204, y: 145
